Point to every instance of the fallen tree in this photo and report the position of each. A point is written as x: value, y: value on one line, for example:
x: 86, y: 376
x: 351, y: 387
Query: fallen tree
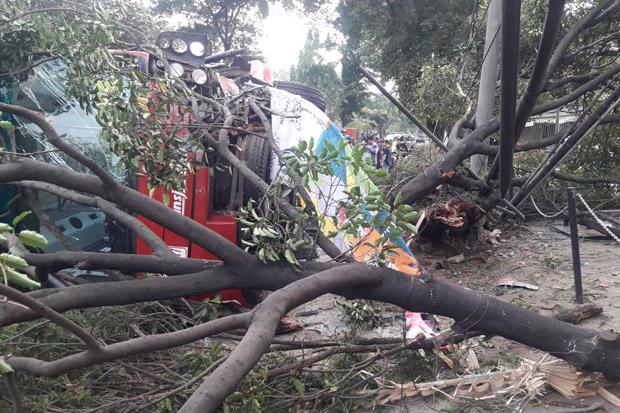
x: 292, y: 283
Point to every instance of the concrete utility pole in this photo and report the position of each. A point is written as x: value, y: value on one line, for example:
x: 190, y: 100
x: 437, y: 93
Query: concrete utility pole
x: 488, y: 76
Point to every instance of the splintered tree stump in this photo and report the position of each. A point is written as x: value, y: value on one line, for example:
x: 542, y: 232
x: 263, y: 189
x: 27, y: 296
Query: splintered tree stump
x: 577, y: 314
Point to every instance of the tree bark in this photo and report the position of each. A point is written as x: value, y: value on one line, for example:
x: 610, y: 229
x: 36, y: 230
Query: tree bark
x: 488, y: 76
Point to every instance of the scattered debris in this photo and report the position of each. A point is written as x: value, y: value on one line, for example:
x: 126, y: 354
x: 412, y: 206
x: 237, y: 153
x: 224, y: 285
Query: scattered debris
x: 509, y: 282
x: 518, y: 385
x: 307, y: 313
x: 492, y: 237
x: 288, y: 324
x: 456, y: 259
x: 417, y: 325
x: 578, y: 313
x: 607, y: 395
x: 471, y: 361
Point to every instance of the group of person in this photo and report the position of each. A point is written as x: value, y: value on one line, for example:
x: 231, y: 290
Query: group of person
x: 379, y: 154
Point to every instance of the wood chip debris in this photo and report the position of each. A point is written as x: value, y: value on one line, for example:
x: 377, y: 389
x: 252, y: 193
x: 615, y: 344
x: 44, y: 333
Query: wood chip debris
x: 518, y: 386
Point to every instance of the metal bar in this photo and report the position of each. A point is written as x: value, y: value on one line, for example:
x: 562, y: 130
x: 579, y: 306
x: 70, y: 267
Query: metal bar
x: 574, y: 241
x: 410, y: 115
x: 555, y: 157
x: 403, y: 109
x: 511, y: 14
x: 222, y: 55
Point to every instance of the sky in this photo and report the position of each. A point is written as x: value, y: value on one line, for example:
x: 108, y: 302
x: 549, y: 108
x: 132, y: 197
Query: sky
x: 284, y: 35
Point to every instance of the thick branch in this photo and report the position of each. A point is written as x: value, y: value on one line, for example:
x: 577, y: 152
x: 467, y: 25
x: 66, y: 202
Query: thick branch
x: 127, y: 263
x: 470, y: 309
x: 28, y: 169
x: 582, y: 180
x: 136, y: 291
x: 223, y: 381
x: 156, y: 244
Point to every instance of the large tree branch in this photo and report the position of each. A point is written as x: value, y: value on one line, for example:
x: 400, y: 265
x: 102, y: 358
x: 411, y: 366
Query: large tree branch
x: 128, y: 263
x: 582, y: 347
x: 440, y: 171
x: 583, y: 180
x: 28, y: 169
x: 210, y: 280
x: 156, y: 244
x: 577, y: 93
x: 223, y: 381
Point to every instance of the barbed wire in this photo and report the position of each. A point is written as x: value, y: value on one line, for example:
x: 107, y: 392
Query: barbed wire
x: 602, y: 223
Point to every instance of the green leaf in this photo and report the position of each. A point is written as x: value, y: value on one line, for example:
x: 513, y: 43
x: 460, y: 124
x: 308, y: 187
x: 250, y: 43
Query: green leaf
x: 18, y: 278
x: 303, y: 145
x: 299, y: 386
x: 5, y: 124
x: 13, y: 261
x: 32, y: 239
x: 290, y: 257
x: 20, y: 217
x: 398, y: 198
x: 4, y: 367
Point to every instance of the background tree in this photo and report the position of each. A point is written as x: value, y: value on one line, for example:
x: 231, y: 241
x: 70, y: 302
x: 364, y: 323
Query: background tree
x: 353, y: 93
x: 228, y: 23
x: 380, y: 117
x: 313, y: 70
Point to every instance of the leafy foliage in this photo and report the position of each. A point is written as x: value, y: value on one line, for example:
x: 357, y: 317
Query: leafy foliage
x: 133, y: 109
x: 399, y: 37
x: 313, y: 70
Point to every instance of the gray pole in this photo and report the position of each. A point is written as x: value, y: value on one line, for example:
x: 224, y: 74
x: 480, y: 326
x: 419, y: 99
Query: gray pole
x: 488, y: 76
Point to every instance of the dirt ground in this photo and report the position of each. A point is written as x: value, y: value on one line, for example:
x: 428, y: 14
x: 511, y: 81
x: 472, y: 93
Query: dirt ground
x: 536, y: 253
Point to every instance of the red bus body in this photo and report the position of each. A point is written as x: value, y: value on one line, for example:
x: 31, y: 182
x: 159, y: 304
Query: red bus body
x: 194, y: 203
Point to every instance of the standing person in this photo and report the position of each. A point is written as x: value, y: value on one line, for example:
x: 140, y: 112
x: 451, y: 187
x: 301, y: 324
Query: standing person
x: 386, y: 155
x: 402, y: 146
x: 372, y: 151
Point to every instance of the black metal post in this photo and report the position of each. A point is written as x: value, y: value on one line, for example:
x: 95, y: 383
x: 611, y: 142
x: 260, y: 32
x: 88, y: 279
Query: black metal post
x: 574, y: 240
x: 511, y: 19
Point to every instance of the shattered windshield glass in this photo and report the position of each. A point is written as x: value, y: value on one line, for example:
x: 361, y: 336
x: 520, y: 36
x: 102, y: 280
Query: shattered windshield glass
x: 45, y: 92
